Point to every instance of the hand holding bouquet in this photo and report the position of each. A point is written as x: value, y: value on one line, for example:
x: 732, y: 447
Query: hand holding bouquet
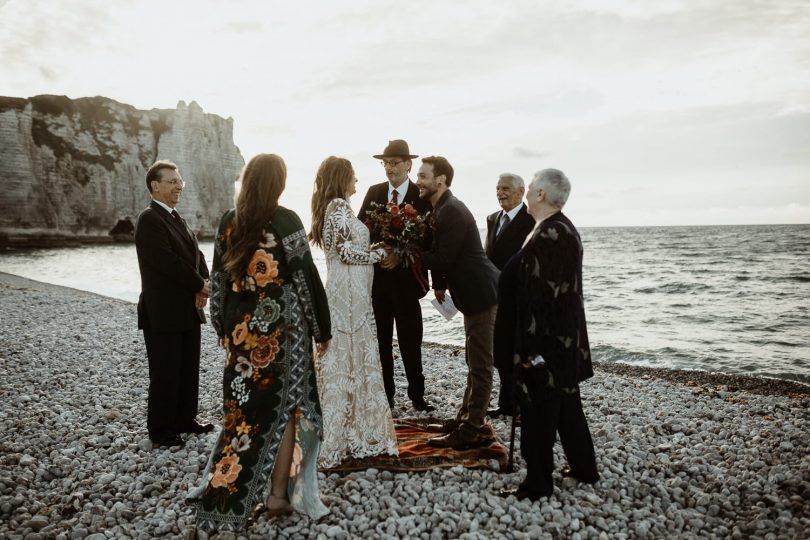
x: 403, y: 230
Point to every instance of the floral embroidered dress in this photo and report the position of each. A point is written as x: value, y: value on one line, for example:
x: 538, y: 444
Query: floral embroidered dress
x: 267, y: 321
x: 356, y: 416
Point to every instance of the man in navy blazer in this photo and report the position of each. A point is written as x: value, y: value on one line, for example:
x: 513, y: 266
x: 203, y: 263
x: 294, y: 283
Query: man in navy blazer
x: 174, y: 289
x: 395, y: 292
x: 506, y: 231
x: 457, y: 262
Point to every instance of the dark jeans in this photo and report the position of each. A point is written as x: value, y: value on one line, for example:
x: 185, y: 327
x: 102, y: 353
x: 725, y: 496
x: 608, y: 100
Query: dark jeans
x: 548, y: 413
x: 174, y: 380
x: 407, y: 314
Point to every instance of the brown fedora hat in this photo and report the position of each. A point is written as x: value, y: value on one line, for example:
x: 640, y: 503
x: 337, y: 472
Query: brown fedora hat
x: 396, y: 148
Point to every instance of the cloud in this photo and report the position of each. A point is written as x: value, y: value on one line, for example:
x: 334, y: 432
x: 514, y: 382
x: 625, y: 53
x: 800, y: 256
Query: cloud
x: 244, y: 27
x: 528, y: 153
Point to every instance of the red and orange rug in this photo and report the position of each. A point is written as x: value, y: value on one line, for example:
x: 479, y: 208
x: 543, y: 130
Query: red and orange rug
x: 415, y: 454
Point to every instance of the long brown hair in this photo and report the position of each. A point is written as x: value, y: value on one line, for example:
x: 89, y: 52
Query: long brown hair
x: 333, y: 180
x: 263, y: 179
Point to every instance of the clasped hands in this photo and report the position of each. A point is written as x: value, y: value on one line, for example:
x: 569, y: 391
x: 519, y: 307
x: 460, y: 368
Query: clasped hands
x: 201, y: 296
x: 391, y: 259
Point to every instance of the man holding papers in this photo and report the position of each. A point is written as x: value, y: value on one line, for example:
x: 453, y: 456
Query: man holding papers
x: 458, y: 262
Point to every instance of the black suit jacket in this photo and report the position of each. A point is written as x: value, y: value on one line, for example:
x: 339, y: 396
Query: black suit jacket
x: 172, y: 268
x: 399, y: 278
x: 501, y: 249
x: 457, y: 259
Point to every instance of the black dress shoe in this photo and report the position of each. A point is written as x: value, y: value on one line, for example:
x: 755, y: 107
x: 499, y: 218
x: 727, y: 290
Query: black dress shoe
x: 422, y: 405
x: 588, y: 479
x: 458, y: 440
x: 167, y: 440
x: 391, y: 403
x: 198, y: 428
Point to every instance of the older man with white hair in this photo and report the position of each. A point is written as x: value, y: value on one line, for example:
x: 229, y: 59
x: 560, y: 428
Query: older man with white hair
x: 506, y: 231
x: 553, y: 348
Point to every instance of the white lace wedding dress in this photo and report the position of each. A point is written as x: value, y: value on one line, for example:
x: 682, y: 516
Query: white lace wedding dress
x: 356, y: 416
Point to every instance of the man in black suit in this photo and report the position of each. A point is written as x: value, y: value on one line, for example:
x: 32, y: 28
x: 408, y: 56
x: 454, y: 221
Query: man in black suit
x: 395, y: 292
x: 506, y: 231
x: 174, y: 289
x: 555, y: 355
x: 457, y: 261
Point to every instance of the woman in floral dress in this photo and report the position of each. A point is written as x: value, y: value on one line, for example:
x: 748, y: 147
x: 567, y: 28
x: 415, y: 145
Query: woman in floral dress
x: 267, y: 306
x: 356, y: 415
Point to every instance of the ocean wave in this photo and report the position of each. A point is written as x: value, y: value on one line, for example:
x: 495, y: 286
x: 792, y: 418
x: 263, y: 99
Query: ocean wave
x: 674, y: 288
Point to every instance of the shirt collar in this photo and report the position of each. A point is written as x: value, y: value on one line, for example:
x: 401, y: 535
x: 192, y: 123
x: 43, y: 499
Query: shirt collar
x: 402, y: 190
x: 165, y: 206
x: 512, y: 213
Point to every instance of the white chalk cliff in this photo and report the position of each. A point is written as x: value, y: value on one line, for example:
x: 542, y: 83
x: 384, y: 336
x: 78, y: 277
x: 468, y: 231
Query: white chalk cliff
x: 77, y: 167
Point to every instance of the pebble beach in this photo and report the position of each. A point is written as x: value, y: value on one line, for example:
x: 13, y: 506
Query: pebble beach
x: 682, y: 454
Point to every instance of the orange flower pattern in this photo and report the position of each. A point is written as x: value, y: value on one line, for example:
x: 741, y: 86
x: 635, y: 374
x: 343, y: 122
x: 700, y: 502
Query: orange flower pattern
x: 265, y: 351
x: 226, y: 471
x: 263, y: 267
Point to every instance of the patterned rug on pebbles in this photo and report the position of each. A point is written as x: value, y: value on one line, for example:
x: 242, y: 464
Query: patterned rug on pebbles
x: 415, y: 454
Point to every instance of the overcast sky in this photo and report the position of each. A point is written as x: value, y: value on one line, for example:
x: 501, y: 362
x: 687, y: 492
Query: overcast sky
x: 660, y: 112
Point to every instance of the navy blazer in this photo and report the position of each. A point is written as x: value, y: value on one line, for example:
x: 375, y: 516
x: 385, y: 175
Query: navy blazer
x: 457, y: 259
x: 501, y: 249
x: 172, y: 268
x: 399, y: 278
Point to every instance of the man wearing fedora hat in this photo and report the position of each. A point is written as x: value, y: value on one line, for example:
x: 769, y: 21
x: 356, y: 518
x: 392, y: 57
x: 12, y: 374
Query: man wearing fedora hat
x: 395, y: 293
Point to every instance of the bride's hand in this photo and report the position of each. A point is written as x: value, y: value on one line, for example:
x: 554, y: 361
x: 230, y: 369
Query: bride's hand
x: 322, y: 347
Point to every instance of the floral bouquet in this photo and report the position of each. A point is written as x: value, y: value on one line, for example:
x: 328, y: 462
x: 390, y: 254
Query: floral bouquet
x: 404, y: 230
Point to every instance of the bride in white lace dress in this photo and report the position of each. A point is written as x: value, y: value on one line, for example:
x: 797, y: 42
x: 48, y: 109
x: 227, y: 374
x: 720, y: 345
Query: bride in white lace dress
x: 356, y: 417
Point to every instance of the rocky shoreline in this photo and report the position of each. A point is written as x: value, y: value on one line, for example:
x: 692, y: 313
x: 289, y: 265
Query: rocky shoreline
x: 681, y: 453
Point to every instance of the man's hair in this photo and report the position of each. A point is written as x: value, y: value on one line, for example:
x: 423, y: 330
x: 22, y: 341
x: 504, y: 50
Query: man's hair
x: 440, y: 167
x: 554, y: 183
x: 154, y: 171
x: 517, y: 181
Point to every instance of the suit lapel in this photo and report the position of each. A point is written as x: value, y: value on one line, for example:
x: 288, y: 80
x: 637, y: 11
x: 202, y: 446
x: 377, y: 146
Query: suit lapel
x: 178, y: 230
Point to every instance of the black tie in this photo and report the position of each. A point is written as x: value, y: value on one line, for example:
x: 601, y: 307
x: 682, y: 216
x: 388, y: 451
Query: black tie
x: 504, y: 222
x: 182, y: 225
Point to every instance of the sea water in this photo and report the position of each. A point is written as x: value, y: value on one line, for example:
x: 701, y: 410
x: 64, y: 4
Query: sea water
x: 731, y: 299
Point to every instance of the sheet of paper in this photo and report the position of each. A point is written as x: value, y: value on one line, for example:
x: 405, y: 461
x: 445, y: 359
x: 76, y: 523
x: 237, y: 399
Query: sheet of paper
x: 448, y: 308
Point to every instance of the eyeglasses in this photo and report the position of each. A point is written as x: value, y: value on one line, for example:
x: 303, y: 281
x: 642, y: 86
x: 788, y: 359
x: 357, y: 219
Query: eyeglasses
x: 174, y: 182
x: 391, y: 162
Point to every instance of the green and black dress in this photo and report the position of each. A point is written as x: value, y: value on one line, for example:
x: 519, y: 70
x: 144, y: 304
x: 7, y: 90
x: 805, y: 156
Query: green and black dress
x: 267, y: 321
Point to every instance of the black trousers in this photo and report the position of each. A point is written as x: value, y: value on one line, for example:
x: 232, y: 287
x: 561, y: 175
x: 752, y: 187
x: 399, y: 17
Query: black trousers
x: 548, y: 413
x: 407, y: 314
x: 505, y: 392
x: 174, y: 380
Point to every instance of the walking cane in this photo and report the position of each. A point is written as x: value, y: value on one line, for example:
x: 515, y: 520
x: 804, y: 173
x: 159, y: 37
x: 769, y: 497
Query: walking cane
x: 516, y: 360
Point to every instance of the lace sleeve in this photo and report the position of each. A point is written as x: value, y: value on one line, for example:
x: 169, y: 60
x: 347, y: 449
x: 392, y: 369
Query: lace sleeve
x: 337, y: 235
